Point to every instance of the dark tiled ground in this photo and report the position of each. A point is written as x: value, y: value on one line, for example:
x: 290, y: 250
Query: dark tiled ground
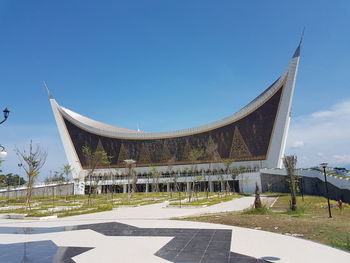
x: 38, y: 252
x: 187, y: 246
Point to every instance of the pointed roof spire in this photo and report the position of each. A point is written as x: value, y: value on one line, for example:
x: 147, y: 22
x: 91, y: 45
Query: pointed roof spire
x: 48, y: 91
x: 297, y: 51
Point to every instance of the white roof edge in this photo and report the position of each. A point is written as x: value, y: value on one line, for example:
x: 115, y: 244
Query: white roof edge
x: 93, y: 123
x: 107, y: 130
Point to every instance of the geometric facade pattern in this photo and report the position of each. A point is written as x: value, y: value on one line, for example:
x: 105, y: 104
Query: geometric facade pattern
x: 243, y: 140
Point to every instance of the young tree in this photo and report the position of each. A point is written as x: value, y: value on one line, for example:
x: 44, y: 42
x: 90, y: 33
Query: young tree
x: 129, y: 165
x: 257, y: 201
x: 11, y: 180
x: 56, y: 178
x: 134, y: 180
x: 94, y: 160
x: 235, y: 171
x: 170, y: 162
x: 227, y: 164
x: 155, y: 179
x: 67, y: 170
x: 59, y: 179
x: 194, y: 155
x: 290, y: 163
x: 32, y: 161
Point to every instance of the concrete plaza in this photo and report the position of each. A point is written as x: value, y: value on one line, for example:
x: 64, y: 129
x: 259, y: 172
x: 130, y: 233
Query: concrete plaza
x: 145, y: 234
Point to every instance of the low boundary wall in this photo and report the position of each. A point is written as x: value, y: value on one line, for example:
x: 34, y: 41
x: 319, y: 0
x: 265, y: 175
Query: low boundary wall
x: 62, y: 189
x: 307, y: 185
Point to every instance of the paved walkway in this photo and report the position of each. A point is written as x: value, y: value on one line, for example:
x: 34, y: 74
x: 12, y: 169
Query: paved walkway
x: 144, y: 234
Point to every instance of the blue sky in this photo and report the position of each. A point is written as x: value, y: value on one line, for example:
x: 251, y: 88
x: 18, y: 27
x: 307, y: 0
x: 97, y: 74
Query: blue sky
x: 172, y: 64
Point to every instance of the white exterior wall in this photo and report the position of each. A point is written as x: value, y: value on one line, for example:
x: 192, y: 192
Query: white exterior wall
x: 68, y: 146
x: 280, y: 132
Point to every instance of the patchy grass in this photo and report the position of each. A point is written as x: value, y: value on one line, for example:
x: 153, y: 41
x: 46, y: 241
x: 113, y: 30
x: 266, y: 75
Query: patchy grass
x: 258, y: 211
x: 79, y: 204
x: 310, y: 220
x: 211, y: 200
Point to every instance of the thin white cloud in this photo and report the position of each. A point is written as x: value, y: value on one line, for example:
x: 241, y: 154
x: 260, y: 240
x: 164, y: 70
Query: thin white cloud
x: 323, y: 136
x: 338, y: 110
x: 341, y: 159
x: 298, y: 144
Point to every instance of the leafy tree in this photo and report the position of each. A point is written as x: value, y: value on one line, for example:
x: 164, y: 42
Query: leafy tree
x: 32, y: 161
x: 11, y: 180
x: 56, y: 178
x: 94, y: 160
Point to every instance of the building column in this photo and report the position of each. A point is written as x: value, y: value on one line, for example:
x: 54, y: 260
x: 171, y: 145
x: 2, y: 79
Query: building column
x: 188, y: 188
x: 79, y: 187
x: 211, y: 186
x: 124, y: 188
x: 99, y: 189
x: 222, y: 183
x: 168, y: 187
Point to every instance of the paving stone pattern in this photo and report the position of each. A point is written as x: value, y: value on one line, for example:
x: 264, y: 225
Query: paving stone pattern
x: 187, y: 245
x: 39, y: 252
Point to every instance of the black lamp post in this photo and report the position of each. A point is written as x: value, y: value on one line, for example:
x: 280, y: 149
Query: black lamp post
x: 324, y: 166
x: 6, y: 114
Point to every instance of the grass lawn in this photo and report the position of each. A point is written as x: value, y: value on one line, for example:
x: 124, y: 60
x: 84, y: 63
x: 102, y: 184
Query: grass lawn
x: 63, y: 206
x: 310, y: 220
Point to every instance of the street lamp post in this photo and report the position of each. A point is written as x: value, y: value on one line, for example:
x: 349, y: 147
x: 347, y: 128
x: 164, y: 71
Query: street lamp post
x: 3, y: 152
x: 324, y: 166
x: 6, y: 114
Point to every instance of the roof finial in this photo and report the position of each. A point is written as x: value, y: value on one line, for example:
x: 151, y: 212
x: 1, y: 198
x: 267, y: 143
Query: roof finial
x: 48, y: 91
x: 297, y: 51
x: 302, y: 37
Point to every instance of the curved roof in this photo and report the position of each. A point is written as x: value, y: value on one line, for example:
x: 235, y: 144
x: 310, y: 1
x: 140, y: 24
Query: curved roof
x: 104, y: 129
